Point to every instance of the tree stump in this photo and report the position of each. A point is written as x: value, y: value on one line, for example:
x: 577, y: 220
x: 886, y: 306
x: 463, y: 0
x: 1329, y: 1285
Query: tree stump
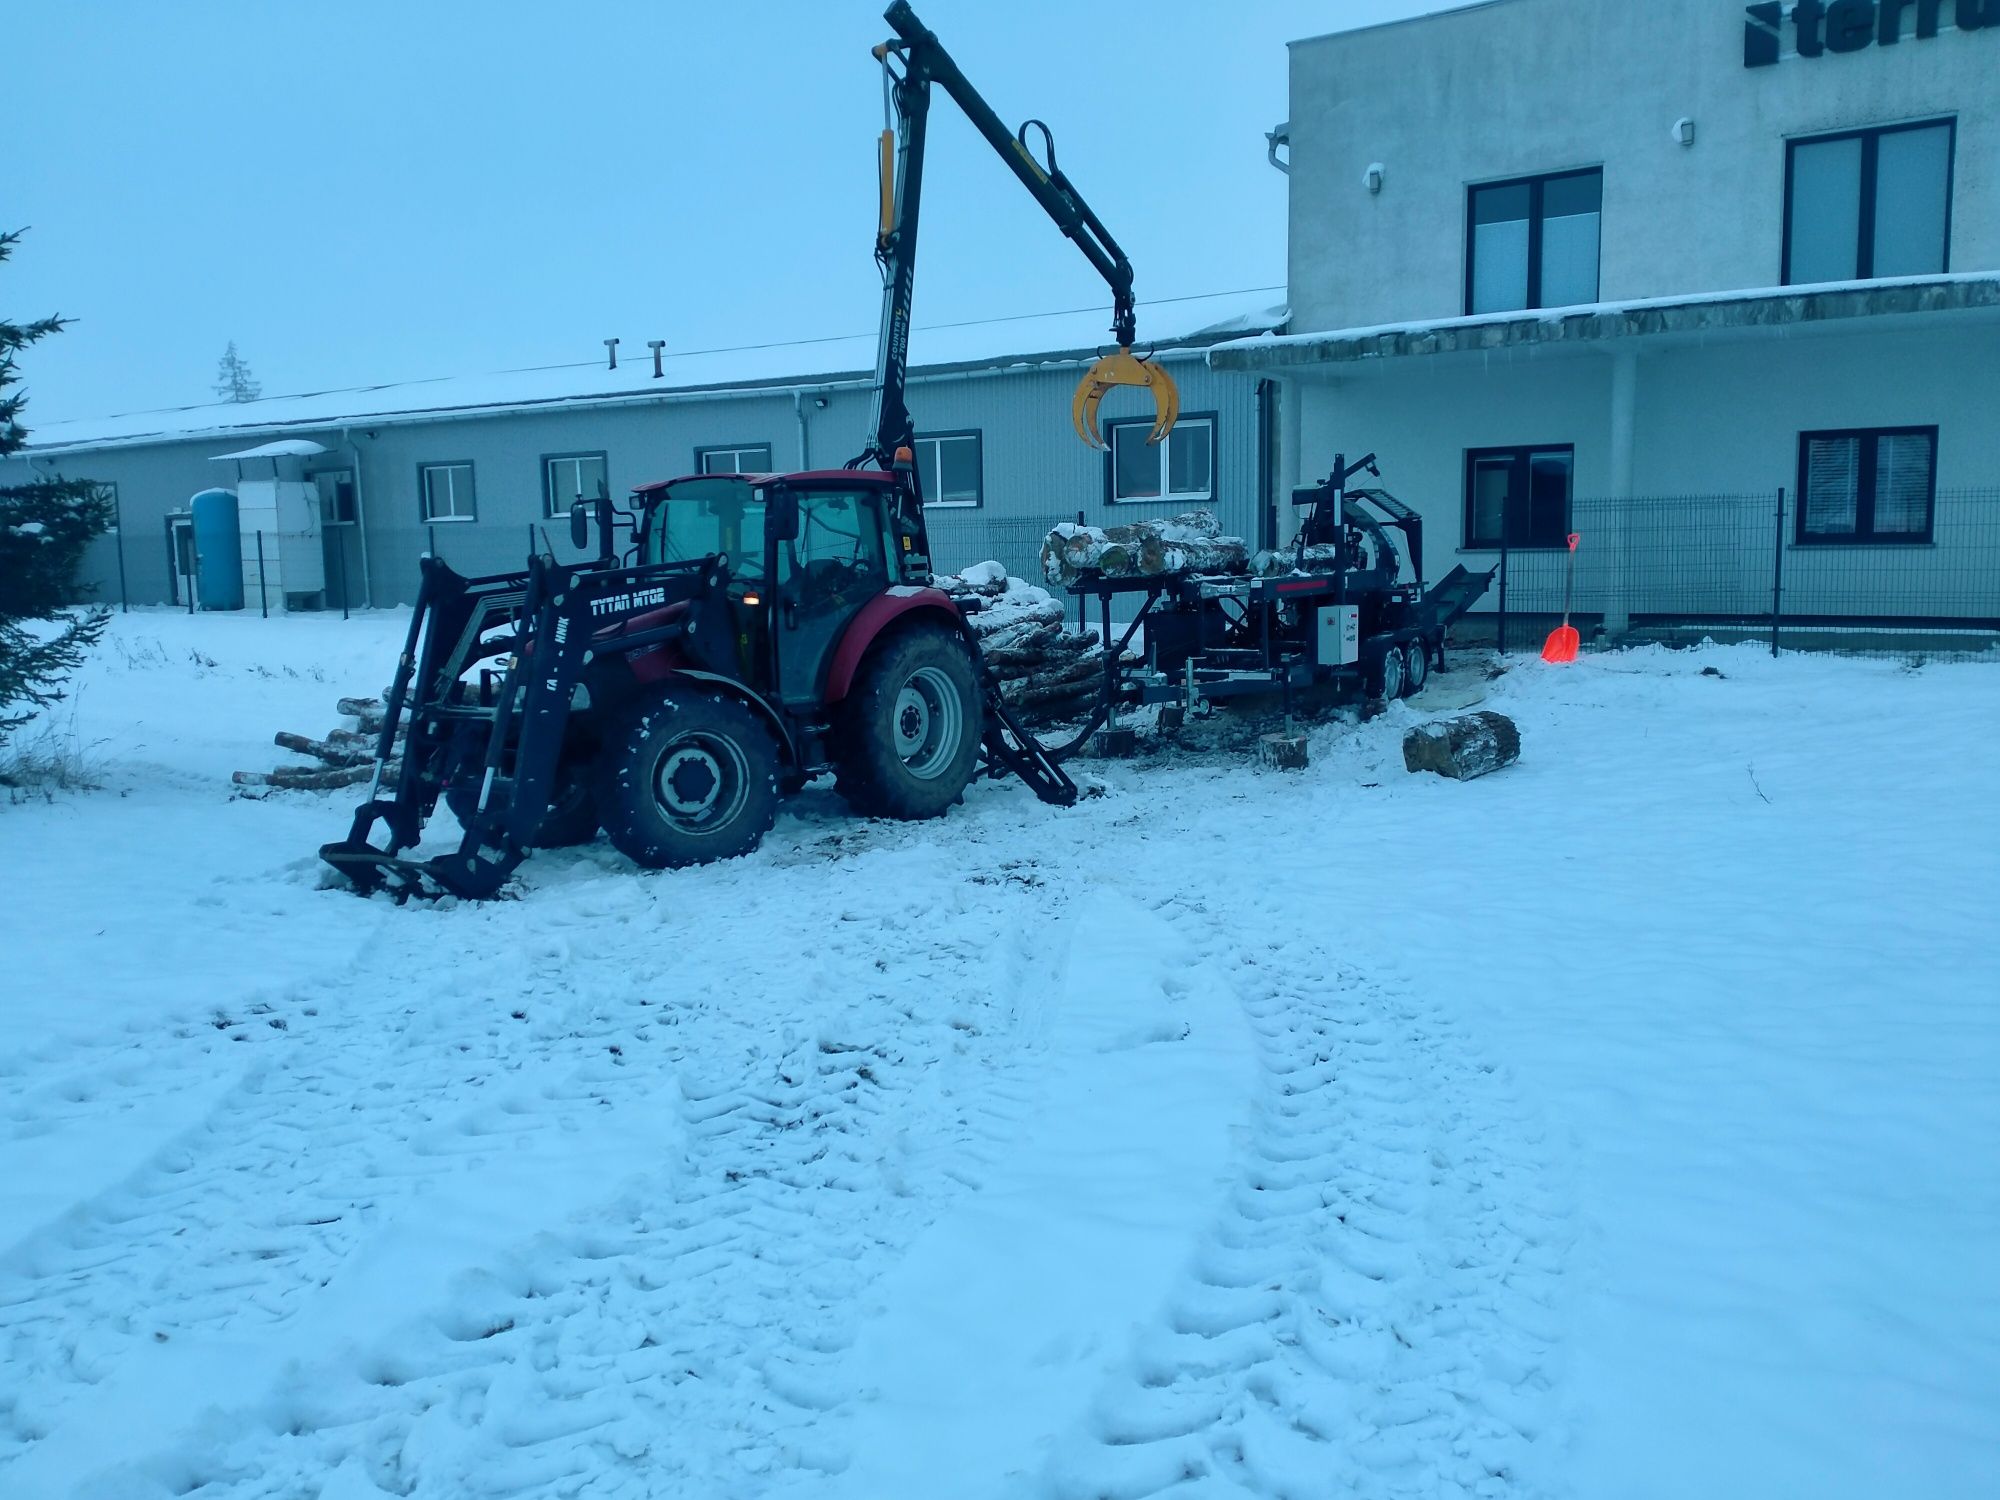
x: 1462, y: 748
x: 1283, y: 752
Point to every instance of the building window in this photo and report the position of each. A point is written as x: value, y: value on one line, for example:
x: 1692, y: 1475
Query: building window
x: 1533, y: 242
x: 569, y: 477
x: 1874, y: 484
x: 1518, y: 495
x: 447, y: 491
x: 1869, y: 203
x: 335, y: 488
x: 1181, y: 466
x: 737, y: 458
x: 950, y: 468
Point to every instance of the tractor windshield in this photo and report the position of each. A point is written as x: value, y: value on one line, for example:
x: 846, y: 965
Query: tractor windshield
x: 703, y: 517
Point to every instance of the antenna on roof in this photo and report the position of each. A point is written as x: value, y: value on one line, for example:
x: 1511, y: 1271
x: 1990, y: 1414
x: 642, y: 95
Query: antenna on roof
x: 612, y: 346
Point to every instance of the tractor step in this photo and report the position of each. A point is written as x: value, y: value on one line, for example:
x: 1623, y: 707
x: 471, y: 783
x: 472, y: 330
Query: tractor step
x: 472, y: 877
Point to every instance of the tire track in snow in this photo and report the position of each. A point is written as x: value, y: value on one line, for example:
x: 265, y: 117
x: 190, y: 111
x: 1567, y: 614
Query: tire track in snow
x: 1373, y: 1311
x: 687, y: 1327
x: 236, y: 1226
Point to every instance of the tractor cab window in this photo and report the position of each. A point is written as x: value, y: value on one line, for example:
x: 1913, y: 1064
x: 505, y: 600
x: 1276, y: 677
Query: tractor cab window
x: 837, y: 559
x: 699, y: 521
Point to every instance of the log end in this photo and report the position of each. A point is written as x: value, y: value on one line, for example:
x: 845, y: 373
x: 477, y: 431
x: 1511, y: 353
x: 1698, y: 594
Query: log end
x: 1283, y: 752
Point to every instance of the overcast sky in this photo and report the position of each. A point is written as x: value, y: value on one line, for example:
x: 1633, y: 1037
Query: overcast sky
x: 358, y: 191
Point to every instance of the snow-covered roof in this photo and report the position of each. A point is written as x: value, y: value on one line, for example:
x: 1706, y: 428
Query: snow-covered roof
x: 1177, y: 323
x: 281, y: 448
x: 1703, y: 313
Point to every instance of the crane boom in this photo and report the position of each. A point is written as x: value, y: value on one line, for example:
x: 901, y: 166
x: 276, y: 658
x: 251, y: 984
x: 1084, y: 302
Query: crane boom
x: 924, y: 62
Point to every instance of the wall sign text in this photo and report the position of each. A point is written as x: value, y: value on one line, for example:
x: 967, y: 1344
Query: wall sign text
x: 1822, y: 26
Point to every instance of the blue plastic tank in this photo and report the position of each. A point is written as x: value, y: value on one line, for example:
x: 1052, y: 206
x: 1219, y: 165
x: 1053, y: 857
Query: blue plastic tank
x: 218, y: 548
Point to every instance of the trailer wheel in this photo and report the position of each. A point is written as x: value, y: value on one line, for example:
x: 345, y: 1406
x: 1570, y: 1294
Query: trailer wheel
x: 1387, y: 679
x: 907, y: 738
x: 1416, y: 667
x: 685, y: 778
x: 572, y: 815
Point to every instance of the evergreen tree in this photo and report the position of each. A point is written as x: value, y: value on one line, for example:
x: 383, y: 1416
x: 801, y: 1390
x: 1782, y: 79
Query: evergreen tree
x: 44, y: 527
x: 233, y: 381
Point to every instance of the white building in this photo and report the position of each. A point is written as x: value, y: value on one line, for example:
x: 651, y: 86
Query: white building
x: 1566, y: 264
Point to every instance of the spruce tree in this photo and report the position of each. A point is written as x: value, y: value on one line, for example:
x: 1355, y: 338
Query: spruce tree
x: 44, y: 527
x: 233, y: 381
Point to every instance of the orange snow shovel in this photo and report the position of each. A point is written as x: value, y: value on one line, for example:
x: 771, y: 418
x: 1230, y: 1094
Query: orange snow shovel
x: 1563, y: 640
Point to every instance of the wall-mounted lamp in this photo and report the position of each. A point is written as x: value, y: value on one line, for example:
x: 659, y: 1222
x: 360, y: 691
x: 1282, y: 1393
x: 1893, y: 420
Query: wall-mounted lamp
x: 820, y: 402
x: 1278, y: 135
x: 1372, y: 178
x: 1684, y: 131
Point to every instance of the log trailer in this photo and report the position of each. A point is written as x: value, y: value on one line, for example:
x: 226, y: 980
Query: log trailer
x: 761, y: 630
x: 1343, y: 617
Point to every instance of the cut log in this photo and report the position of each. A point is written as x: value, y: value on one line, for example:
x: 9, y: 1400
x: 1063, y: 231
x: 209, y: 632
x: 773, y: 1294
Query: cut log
x: 359, y: 742
x: 1462, y: 748
x: 996, y: 628
x: 310, y: 779
x: 1190, y: 542
x: 333, y: 755
x: 368, y: 710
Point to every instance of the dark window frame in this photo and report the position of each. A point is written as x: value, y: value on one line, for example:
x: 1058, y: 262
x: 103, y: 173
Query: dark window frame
x: 978, y: 436
x: 1213, y: 497
x: 1534, y: 182
x: 1864, y: 228
x: 1522, y: 453
x: 1864, y: 498
x: 424, y: 492
x: 701, y: 456
x: 549, y: 507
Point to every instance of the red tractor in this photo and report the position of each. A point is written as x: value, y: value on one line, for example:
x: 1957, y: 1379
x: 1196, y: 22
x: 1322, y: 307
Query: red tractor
x: 763, y: 629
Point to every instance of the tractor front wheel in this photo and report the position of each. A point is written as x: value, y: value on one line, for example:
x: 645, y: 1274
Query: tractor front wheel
x: 908, y: 735
x: 686, y: 778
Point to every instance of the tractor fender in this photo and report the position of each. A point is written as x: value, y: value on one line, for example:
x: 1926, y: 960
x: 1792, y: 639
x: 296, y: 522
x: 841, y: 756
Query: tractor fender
x: 716, y: 682
x: 877, y: 616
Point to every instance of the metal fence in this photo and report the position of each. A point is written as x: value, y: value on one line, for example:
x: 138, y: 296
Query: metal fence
x: 1682, y: 568
x: 1672, y: 568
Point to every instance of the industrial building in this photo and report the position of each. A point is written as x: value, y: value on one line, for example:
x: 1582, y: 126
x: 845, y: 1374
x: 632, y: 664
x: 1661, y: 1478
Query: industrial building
x: 340, y: 492
x: 1630, y: 270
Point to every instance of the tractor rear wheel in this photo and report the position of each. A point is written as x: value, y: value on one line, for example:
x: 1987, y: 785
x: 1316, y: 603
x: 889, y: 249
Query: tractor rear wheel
x: 907, y: 739
x: 687, y: 777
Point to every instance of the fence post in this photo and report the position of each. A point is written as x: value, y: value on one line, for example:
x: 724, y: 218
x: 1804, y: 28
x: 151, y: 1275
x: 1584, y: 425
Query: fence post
x: 124, y: 604
x: 1778, y: 571
x: 341, y: 553
x: 1500, y: 621
x: 263, y: 593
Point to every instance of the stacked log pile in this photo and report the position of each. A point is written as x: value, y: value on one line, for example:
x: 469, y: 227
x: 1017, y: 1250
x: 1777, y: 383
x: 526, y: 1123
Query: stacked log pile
x: 1048, y: 671
x: 345, y: 755
x: 1189, y: 543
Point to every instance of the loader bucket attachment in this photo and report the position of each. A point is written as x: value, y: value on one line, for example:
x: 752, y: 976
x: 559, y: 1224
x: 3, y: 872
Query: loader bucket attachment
x: 1124, y: 368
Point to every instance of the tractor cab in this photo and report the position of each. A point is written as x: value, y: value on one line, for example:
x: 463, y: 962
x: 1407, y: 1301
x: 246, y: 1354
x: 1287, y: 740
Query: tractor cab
x: 803, y: 554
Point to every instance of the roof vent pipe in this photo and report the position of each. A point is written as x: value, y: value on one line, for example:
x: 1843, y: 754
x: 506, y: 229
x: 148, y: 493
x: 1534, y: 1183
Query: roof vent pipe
x: 656, y: 345
x: 612, y: 346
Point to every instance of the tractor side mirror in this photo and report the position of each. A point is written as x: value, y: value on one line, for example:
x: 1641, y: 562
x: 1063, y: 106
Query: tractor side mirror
x: 579, y: 524
x: 781, y: 515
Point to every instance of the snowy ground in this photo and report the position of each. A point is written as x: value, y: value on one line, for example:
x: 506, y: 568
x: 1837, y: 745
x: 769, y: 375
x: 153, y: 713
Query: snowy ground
x: 1624, y: 1124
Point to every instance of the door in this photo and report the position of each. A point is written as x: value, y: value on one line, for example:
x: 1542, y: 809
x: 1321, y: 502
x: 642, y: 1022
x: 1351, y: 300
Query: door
x: 834, y: 567
x: 181, y: 559
x: 335, y: 493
